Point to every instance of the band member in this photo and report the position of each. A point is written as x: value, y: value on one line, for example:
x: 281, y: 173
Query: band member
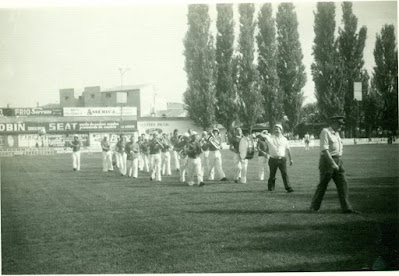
x: 234, y: 147
x: 166, y: 155
x: 215, y: 157
x: 307, y: 140
x: 115, y: 153
x: 174, y: 140
x: 205, y: 153
x: 132, y: 150
x: 263, y: 155
x: 120, y: 154
x: 194, y: 161
x: 106, y: 155
x: 181, y: 147
x: 278, y: 149
x: 155, y: 154
x: 144, y: 158
x: 76, y: 144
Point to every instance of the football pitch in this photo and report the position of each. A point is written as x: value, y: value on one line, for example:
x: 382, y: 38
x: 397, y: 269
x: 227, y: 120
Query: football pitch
x: 57, y: 221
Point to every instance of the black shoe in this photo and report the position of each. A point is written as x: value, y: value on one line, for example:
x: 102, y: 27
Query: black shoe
x: 223, y: 179
x: 201, y: 184
x: 151, y: 178
x: 74, y: 169
x: 351, y: 211
x: 312, y: 210
x: 290, y: 190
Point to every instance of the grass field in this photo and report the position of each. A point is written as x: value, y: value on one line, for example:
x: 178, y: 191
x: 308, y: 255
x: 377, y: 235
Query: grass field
x: 57, y: 221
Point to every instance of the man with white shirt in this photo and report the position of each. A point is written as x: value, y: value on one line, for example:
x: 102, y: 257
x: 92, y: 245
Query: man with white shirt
x: 279, y: 150
x: 331, y: 166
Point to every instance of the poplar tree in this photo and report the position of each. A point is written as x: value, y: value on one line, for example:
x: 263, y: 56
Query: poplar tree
x: 226, y: 108
x: 267, y: 65
x: 250, y: 99
x: 200, y: 66
x: 327, y: 68
x: 290, y: 68
x: 351, y: 46
x: 385, y: 76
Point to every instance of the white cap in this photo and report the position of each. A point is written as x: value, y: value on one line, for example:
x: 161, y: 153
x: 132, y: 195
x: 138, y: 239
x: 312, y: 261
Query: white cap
x: 186, y: 134
x: 193, y: 133
x: 279, y: 126
x: 75, y: 135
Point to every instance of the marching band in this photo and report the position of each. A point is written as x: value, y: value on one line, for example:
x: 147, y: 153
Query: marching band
x: 193, y: 156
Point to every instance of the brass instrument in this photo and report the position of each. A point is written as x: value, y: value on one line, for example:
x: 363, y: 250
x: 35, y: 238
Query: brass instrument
x: 183, y: 152
x: 212, y: 140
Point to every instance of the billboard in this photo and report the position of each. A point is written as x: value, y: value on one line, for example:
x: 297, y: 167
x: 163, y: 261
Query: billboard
x: 27, y: 112
x: 100, y: 111
x: 68, y: 127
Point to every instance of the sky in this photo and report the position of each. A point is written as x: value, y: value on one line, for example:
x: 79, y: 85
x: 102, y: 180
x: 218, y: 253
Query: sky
x: 77, y: 44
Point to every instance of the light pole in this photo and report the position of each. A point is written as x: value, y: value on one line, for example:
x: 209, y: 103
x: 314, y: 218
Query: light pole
x: 122, y: 72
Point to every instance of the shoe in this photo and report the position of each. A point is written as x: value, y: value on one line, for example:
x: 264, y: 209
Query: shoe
x: 110, y: 170
x: 223, y: 179
x: 351, y: 211
x: 177, y: 170
x: 74, y: 169
x: 151, y: 178
x: 290, y: 190
x: 312, y: 210
x: 201, y: 184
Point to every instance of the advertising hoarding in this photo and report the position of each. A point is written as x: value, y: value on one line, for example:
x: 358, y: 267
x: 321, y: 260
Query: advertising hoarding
x: 100, y: 111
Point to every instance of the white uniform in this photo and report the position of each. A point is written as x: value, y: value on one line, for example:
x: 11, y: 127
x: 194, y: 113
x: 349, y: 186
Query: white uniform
x: 106, y: 156
x: 215, y: 160
x: 76, y: 145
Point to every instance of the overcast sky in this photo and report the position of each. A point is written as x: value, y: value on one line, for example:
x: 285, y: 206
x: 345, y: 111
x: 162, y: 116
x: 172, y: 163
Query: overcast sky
x: 44, y: 49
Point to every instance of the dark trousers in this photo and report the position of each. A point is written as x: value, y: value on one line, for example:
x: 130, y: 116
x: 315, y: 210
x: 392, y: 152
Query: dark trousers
x: 338, y: 176
x: 275, y: 164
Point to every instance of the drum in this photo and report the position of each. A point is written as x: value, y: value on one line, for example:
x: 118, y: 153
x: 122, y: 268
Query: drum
x: 246, y: 148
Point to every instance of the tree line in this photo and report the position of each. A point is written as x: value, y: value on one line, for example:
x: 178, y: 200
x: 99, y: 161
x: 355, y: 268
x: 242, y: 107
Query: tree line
x: 259, y: 76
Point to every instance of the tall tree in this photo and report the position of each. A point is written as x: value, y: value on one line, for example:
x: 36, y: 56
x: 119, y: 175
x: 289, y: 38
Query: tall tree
x: 267, y: 65
x: 373, y: 107
x: 248, y: 83
x: 200, y: 67
x: 351, y: 46
x: 327, y: 68
x: 290, y: 68
x: 385, y: 75
x: 226, y: 94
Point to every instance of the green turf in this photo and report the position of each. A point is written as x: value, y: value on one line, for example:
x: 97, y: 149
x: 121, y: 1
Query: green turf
x: 56, y: 221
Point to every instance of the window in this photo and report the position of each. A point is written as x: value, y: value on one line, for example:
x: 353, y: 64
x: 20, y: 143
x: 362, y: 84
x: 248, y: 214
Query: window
x: 66, y: 98
x: 92, y: 96
x: 108, y: 95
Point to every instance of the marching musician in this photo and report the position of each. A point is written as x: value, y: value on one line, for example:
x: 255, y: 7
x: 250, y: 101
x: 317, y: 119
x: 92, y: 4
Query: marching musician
x: 181, y: 147
x: 144, y: 163
x: 155, y: 156
x: 263, y: 155
x: 166, y: 155
x: 132, y: 150
x: 174, y: 140
x: 205, y: 153
x: 76, y: 144
x: 238, y: 162
x: 120, y: 154
x: 279, y: 149
x: 106, y: 155
x: 194, y: 161
x: 215, y: 157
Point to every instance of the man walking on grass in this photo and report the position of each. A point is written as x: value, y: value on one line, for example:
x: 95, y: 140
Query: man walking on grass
x: 331, y: 166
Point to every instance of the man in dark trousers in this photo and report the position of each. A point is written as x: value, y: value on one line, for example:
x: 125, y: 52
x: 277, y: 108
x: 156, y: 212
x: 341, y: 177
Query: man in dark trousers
x: 331, y: 166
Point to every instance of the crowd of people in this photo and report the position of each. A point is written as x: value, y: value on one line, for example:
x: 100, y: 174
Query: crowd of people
x: 198, y: 156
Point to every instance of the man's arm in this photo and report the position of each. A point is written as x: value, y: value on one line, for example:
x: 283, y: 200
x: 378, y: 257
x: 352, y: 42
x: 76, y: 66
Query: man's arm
x: 327, y: 154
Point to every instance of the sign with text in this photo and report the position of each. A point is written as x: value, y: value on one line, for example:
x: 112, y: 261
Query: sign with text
x: 100, y: 111
x: 68, y: 127
x: 26, y: 112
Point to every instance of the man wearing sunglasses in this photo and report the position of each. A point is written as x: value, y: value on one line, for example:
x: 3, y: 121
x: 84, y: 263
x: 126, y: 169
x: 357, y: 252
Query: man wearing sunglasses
x: 331, y: 166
